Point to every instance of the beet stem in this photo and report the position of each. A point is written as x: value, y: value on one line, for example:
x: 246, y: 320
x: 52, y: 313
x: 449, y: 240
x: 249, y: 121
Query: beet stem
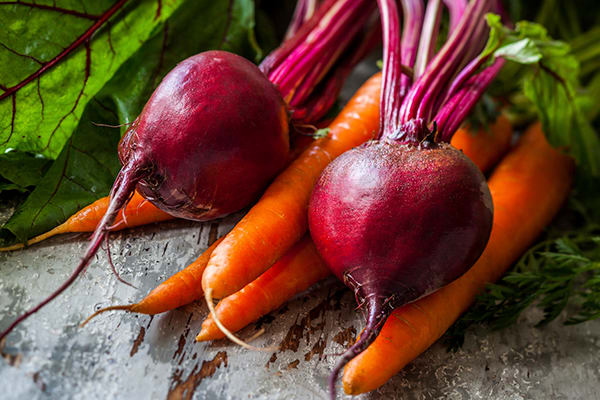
x: 303, y: 12
x: 377, y: 313
x: 303, y: 61
x: 456, y: 8
x: 429, y: 34
x: 413, y: 11
x: 124, y: 185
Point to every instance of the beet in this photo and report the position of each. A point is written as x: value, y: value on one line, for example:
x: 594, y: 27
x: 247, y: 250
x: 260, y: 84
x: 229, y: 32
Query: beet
x: 405, y: 214
x: 215, y: 131
x: 211, y: 137
x: 395, y: 221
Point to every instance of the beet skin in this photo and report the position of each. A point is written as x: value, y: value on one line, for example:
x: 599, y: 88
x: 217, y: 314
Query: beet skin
x: 211, y: 137
x: 397, y: 221
x: 394, y: 219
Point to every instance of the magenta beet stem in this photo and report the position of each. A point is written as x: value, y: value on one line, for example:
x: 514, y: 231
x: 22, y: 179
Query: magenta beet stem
x: 456, y: 9
x: 413, y: 11
x: 417, y: 103
x: 460, y: 105
x: 428, y: 38
x: 303, y: 12
x: 325, y: 95
x: 322, y: 46
x: 302, y: 62
x: 277, y: 56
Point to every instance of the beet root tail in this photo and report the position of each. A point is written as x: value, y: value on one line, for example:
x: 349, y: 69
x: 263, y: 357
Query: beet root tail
x: 124, y: 185
x: 377, y: 314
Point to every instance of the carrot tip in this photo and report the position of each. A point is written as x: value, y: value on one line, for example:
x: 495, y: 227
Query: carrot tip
x: 53, y: 232
x: 202, y: 337
x: 227, y: 332
x: 17, y: 246
x: 102, y: 310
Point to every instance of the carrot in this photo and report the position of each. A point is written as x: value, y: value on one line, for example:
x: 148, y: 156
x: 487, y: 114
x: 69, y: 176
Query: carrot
x: 296, y: 271
x: 528, y: 188
x: 139, y: 211
x: 301, y: 267
x: 279, y: 218
x: 180, y: 289
x: 483, y: 147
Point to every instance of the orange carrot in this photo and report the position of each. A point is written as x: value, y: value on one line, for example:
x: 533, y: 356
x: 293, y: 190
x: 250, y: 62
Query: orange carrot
x: 301, y: 266
x: 279, y: 218
x: 485, y: 147
x: 296, y: 271
x: 528, y: 188
x: 139, y: 211
x: 180, y: 289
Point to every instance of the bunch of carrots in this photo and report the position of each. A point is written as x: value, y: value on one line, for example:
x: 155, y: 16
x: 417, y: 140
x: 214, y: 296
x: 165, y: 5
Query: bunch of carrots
x: 268, y: 257
x: 293, y: 268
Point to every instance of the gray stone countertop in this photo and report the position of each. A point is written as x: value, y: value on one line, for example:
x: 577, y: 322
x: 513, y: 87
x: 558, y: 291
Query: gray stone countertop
x: 127, y: 356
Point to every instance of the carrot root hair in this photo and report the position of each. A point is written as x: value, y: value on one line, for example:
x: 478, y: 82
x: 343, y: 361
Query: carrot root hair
x: 112, y: 265
x: 377, y: 314
x: 127, y: 307
x: 125, y: 183
x: 227, y: 332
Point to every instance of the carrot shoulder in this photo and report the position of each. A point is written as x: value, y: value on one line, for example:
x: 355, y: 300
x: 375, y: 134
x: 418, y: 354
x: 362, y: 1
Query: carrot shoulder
x: 138, y: 211
x: 528, y: 188
x: 296, y: 271
x: 279, y: 218
x: 485, y: 147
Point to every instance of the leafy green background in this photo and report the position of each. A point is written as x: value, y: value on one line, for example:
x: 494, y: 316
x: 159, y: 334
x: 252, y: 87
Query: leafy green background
x: 560, y: 274
x: 144, y: 48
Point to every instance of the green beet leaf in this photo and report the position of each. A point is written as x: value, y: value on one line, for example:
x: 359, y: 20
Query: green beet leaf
x: 551, y: 84
x: 47, y: 78
x: 88, y: 163
x: 21, y: 170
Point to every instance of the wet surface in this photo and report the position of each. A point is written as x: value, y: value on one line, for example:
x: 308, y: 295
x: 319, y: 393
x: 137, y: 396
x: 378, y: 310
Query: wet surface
x: 123, y: 355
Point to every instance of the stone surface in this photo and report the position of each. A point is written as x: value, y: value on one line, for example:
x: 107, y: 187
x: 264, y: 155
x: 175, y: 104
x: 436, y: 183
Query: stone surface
x: 127, y: 356
x: 121, y: 355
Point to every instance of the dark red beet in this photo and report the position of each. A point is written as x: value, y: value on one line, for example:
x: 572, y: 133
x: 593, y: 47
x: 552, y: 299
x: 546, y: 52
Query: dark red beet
x: 397, y: 221
x: 212, y: 136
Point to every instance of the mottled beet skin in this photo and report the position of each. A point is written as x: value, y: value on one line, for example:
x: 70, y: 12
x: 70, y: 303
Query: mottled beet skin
x: 398, y: 220
x: 211, y: 137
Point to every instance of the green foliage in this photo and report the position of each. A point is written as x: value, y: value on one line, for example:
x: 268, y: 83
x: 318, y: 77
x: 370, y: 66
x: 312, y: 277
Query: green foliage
x: 483, y: 115
x: 87, y: 162
x: 20, y: 171
x: 321, y: 133
x: 41, y: 116
x: 551, y: 84
x: 560, y: 274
